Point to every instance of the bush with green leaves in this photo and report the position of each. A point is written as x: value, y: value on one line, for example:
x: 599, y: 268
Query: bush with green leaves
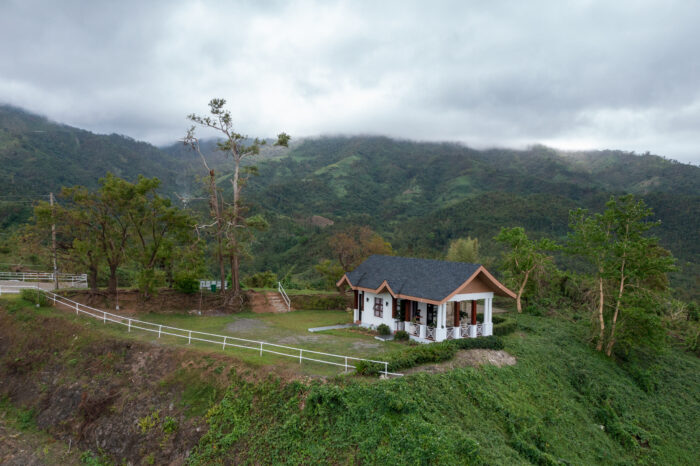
x: 401, y: 335
x: 265, y: 279
x: 185, y: 283
x: 428, y: 353
x: 503, y: 325
x: 383, y: 329
x: 34, y: 296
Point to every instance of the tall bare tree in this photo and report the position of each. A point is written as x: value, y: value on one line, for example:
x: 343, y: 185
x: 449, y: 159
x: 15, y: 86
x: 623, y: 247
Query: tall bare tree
x: 230, y: 224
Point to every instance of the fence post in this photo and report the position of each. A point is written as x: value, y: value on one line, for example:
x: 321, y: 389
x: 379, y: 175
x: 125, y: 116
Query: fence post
x: 346, y: 363
x: 261, y: 343
x: 386, y: 369
x: 224, y: 346
x: 160, y: 327
x: 129, y: 325
x: 189, y: 340
x: 104, y: 317
x: 301, y: 352
x: 76, y: 308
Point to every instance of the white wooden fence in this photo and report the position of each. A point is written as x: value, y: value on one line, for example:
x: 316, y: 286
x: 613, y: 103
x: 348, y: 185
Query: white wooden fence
x: 347, y: 362
x: 75, y: 280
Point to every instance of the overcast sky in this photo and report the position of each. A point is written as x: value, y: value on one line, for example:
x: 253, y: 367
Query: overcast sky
x: 572, y: 75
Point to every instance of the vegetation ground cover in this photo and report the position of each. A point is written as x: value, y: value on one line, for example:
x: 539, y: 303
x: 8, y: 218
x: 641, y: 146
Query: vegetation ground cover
x: 561, y: 403
x: 289, y: 329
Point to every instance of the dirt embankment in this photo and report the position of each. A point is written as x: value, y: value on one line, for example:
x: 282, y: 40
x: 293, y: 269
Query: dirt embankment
x: 205, y: 302
x: 132, y: 401
x: 130, y: 301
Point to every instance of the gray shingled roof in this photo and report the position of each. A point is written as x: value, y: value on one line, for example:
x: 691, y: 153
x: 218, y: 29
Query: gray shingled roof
x: 420, y: 278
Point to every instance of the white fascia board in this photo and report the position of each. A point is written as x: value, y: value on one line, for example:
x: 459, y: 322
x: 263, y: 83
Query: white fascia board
x: 471, y: 296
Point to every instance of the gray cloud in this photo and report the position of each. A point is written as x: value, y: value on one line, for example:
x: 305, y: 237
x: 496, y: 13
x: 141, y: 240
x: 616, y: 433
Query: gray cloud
x: 583, y: 74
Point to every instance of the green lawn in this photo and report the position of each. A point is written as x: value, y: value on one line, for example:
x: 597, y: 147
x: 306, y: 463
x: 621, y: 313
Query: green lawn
x: 287, y: 329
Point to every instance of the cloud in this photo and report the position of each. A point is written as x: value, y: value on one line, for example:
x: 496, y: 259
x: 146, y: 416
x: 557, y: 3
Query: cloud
x: 620, y: 75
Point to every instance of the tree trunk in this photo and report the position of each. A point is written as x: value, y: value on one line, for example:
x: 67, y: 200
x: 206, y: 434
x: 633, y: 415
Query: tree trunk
x: 92, y: 279
x: 601, y: 320
x: 235, y: 278
x: 611, y: 340
x: 112, y: 282
x: 222, y: 268
x: 520, y: 292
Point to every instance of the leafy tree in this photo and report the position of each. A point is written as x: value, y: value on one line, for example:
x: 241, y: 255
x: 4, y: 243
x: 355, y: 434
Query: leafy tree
x: 232, y: 228
x: 331, y: 271
x: 635, y: 258
x: 118, y: 223
x: 464, y: 250
x: 357, y: 244
x: 628, y: 263
x: 524, y: 258
x: 590, y: 238
x: 155, y: 225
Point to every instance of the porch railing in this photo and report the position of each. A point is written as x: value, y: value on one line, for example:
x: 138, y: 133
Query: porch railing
x: 430, y: 333
x: 400, y: 325
x: 450, y: 333
x: 414, y: 329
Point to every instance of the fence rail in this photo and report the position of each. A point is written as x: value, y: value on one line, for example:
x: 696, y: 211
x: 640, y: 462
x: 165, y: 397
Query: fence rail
x: 73, y: 279
x: 347, y: 362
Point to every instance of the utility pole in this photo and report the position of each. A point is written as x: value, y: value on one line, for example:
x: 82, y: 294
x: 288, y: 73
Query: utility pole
x: 53, y: 242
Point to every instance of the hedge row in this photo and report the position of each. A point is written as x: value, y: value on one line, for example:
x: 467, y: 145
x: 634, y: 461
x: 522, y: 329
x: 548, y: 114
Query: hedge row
x: 430, y: 353
x: 503, y: 325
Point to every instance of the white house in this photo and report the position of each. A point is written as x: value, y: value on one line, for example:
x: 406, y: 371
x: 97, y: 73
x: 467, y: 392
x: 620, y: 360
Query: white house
x: 423, y: 297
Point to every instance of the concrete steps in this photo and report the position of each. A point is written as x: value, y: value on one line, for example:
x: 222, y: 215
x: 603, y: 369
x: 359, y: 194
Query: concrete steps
x: 267, y: 302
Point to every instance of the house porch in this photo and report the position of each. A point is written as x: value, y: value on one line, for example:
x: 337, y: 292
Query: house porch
x: 426, y: 322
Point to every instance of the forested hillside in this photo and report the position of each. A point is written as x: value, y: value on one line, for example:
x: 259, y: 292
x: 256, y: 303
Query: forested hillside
x: 38, y: 156
x: 418, y: 196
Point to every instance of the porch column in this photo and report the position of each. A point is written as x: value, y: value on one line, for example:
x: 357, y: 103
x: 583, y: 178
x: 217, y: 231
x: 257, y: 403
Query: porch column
x: 488, y: 311
x: 440, y: 332
x: 356, y: 307
x: 456, y: 314
x: 472, y: 327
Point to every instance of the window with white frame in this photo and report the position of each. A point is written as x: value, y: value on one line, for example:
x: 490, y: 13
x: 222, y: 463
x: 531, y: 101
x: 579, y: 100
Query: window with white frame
x: 378, y: 307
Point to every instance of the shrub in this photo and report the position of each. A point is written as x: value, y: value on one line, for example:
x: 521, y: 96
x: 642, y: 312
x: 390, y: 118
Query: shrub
x: 34, y: 296
x: 186, y: 284
x: 429, y: 353
x: 401, y: 335
x: 503, y: 325
x: 265, y: 279
x: 493, y: 342
x: 383, y: 329
x: 169, y: 425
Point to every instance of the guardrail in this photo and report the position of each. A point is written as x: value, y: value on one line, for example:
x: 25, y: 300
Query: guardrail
x: 194, y: 335
x: 73, y: 279
x: 281, y: 291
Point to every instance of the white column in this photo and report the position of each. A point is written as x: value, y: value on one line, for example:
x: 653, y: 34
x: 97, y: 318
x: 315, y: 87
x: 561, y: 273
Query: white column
x: 440, y: 332
x: 488, y: 311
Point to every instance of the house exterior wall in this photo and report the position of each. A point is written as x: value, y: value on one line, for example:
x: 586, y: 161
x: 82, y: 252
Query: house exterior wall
x: 368, y: 317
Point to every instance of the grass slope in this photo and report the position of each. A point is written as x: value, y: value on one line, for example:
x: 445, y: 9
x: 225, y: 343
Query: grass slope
x: 561, y: 403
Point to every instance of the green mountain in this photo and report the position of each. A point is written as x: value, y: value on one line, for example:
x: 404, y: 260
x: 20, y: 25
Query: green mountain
x: 417, y: 195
